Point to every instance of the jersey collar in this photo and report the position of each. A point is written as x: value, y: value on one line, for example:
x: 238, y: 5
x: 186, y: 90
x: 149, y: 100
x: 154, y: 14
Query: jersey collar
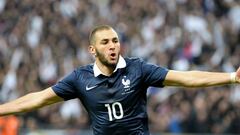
x: 121, y: 64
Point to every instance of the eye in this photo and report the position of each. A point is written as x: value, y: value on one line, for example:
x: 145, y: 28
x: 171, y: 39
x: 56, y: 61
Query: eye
x: 104, y: 42
x: 115, y: 40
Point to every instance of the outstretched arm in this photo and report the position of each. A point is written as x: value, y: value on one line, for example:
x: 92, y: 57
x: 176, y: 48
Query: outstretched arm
x: 30, y: 102
x: 200, y: 78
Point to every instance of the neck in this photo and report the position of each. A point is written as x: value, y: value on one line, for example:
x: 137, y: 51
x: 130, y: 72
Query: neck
x: 106, y: 70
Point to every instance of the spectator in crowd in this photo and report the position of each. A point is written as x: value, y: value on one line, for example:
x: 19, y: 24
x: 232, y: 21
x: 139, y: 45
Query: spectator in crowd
x: 9, y: 125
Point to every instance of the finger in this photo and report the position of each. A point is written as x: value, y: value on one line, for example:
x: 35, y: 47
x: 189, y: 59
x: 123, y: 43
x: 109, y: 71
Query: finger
x: 238, y: 73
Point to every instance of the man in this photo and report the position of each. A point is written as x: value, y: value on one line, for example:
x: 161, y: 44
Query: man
x: 113, y: 89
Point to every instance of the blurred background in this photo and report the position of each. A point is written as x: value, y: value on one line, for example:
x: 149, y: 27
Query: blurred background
x: 42, y: 41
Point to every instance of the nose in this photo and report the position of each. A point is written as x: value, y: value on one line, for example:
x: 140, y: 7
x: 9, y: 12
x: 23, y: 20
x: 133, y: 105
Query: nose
x: 112, y: 46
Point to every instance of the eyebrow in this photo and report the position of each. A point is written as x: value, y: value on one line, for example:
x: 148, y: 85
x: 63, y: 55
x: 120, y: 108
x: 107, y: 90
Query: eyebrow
x: 106, y: 39
x: 115, y: 38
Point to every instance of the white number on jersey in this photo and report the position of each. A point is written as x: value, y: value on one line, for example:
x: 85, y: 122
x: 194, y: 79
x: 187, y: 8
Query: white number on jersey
x: 112, y: 110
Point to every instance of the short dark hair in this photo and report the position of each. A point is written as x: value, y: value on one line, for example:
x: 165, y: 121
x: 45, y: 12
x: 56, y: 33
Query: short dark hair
x: 95, y: 30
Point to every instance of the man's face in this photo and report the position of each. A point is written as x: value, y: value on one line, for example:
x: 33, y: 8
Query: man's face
x: 107, y: 47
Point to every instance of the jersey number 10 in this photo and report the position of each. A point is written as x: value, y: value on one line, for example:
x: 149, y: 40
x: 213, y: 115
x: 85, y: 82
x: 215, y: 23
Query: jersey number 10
x: 112, y: 110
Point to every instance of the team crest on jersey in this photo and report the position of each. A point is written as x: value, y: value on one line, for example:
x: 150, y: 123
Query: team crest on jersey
x: 126, y: 82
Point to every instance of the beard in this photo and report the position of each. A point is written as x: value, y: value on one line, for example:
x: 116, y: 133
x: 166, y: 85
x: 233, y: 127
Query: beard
x: 104, y: 60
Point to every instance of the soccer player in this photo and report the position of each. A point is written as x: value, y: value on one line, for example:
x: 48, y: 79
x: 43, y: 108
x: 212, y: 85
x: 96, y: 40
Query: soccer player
x: 113, y: 89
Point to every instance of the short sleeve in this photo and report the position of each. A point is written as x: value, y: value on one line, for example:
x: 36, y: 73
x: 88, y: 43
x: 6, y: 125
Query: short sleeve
x: 153, y: 75
x: 66, y: 87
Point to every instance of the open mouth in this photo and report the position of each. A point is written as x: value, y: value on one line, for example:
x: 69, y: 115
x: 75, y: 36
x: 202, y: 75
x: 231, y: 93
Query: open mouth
x: 113, y: 56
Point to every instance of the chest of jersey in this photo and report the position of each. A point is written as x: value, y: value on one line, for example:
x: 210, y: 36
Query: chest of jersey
x: 113, y: 96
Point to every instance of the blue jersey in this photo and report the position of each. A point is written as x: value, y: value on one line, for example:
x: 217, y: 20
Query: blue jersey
x: 116, y: 104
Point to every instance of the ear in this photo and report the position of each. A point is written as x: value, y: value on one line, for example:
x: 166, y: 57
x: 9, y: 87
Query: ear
x: 91, y: 50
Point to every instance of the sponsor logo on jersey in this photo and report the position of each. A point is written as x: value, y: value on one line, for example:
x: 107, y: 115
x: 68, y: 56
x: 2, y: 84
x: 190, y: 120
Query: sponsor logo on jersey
x: 90, y: 87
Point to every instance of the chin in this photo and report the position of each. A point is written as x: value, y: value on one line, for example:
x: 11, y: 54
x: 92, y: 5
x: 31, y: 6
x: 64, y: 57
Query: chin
x: 112, y: 64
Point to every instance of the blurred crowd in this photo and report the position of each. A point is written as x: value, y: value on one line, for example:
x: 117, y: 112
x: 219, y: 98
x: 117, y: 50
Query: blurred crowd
x: 42, y: 41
